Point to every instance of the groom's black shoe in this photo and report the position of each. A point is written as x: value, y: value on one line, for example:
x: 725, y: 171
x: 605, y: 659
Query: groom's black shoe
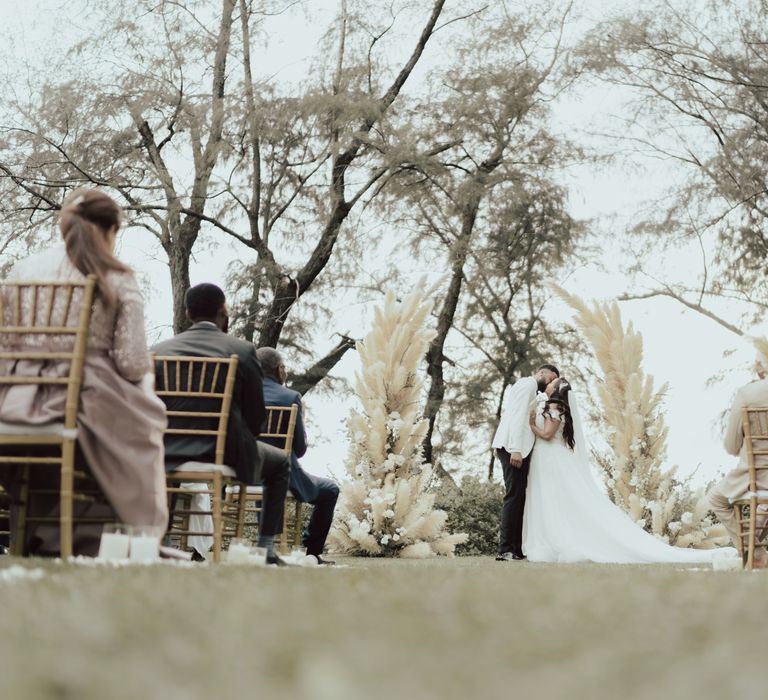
x: 510, y: 556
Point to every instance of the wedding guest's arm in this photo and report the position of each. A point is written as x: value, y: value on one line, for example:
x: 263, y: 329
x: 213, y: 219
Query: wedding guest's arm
x: 734, y: 432
x: 551, y: 424
x: 129, y: 341
x: 299, y: 434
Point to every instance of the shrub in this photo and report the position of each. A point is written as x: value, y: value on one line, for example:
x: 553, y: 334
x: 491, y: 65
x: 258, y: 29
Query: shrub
x: 474, y: 508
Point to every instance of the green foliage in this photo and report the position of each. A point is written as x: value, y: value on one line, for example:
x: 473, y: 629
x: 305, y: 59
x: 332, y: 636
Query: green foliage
x: 474, y: 508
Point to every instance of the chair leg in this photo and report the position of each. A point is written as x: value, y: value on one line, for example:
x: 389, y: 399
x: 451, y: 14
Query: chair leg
x: 751, y: 541
x: 242, y: 503
x: 67, y: 488
x: 186, y: 504
x: 217, y: 524
x: 17, y: 543
x: 738, y: 511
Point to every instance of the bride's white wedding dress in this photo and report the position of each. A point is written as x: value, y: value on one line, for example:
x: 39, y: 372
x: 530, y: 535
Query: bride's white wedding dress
x: 569, y: 519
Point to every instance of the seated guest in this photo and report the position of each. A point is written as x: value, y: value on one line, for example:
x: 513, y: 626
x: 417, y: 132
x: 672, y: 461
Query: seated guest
x: 120, y: 434
x: 321, y: 493
x: 254, y: 462
x: 736, y: 482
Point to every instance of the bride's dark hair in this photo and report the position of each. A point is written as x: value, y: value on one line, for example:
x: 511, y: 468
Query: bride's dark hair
x: 559, y: 399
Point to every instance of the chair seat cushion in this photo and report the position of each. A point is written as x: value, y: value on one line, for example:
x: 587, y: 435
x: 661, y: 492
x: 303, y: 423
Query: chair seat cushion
x: 26, y: 429
x: 746, y: 496
x: 251, y: 490
x: 206, y: 467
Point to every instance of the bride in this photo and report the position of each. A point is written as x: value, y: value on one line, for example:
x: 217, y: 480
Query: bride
x: 567, y: 517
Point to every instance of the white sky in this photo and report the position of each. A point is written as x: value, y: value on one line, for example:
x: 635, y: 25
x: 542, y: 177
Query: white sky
x: 681, y: 347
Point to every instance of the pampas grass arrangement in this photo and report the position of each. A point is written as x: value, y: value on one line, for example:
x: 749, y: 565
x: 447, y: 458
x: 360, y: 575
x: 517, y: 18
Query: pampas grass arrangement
x: 386, y: 508
x: 629, y: 407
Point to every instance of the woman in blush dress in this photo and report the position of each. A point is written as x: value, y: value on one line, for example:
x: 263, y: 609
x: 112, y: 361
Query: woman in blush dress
x: 120, y: 420
x: 567, y: 517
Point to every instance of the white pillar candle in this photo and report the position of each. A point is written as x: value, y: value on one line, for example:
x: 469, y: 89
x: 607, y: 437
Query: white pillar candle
x: 113, y: 545
x: 144, y: 548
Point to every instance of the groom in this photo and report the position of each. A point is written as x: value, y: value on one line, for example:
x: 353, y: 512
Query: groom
x: 513, y: 443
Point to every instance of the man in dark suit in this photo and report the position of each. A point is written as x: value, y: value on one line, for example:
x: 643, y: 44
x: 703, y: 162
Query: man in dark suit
x: 321, y: 493
x: 253, y: 461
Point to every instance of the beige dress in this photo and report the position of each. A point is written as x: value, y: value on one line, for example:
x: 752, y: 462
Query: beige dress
x: 120, y: 423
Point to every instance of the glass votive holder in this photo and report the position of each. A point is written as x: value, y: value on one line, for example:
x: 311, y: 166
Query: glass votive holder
x: 258, y: 556
x: 145, y: 543
x: 115, y: 542
x: 239, y: 551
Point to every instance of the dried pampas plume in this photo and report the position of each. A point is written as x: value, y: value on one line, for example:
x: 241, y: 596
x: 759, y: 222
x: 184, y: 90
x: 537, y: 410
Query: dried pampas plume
x: 629, y: 407
x: 386, y: 508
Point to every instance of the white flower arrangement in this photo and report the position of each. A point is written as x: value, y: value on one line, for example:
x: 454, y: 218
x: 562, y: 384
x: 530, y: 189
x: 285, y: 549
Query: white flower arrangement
x: 386, y: 508
x: 629, y: 407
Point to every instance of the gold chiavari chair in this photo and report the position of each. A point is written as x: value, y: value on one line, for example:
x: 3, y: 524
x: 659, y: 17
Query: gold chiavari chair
x: 34, y: 318
x: 280, y: 426
x: 755, y: 421
x: 197, y: 392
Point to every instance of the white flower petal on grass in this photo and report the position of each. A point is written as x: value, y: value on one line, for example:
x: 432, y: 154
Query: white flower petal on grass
x: 16, y: 574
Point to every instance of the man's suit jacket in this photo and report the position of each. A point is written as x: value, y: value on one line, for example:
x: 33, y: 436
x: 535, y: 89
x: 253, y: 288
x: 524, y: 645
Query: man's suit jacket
x: 302, y: 484
x: 247, y: 414
x: 514, y: 433
x: 736, y: 481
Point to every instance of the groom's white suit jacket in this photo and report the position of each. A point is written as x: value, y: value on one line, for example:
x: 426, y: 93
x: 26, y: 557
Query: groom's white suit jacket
x: 514, y: 433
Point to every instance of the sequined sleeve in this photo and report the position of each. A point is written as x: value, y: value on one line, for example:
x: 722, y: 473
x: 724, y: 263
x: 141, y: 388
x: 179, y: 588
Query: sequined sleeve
x: 129, y: 345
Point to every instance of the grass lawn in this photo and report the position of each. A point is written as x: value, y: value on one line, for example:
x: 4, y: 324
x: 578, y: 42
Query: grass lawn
x: 445, y: 628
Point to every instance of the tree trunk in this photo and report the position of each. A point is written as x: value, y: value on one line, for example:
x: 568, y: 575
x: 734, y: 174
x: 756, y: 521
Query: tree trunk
x: 316, y: 373
x: 289, y: 290
x: 286, y: 295
x: 178, y: 264
x: 435, y: 354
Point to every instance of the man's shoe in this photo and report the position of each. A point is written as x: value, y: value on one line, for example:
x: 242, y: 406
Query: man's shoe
x: 510, y: 556
x: 196, y: 556
x: 325, y: 562
x: 275, y: 560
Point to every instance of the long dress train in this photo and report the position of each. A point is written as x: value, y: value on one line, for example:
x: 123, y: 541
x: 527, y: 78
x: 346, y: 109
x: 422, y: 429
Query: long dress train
x: 569, y: 519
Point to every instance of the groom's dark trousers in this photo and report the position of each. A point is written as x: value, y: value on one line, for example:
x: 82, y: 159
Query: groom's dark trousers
x: 515, y: 483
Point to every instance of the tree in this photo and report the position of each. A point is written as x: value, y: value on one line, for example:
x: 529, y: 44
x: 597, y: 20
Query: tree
x: 700, y: 75
x: 330, y: 127
x: 136, y: 127
x: 503, y: 319
x: 193, y: 148
x: 489, y: 148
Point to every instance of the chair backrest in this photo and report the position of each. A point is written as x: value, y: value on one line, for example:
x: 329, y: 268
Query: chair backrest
x: 205, y: 381
x: 755, y: 419
x: 46, y: 322
x: 281, y: 422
